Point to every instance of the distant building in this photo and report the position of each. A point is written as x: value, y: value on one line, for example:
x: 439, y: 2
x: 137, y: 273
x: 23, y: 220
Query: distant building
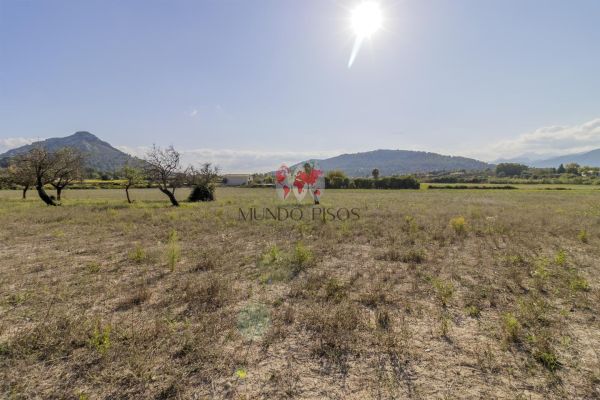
x: 236, y: 179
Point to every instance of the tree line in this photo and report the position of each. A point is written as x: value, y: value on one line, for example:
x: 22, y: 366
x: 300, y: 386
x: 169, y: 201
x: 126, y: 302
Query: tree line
x: 40, y: 168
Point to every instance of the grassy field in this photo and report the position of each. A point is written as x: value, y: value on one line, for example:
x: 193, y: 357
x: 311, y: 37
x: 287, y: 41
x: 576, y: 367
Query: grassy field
x: 430, y: 294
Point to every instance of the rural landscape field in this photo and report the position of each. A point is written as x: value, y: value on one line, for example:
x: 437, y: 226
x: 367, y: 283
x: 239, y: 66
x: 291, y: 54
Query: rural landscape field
x: 430, y: 294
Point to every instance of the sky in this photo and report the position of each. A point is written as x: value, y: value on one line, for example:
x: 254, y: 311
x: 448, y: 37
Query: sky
x: 249, y: 84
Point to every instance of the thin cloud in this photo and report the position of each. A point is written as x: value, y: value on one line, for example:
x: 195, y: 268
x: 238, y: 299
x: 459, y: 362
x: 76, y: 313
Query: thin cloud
x: 239, y: 161
x: 547, y: 142
x: 11, y: 143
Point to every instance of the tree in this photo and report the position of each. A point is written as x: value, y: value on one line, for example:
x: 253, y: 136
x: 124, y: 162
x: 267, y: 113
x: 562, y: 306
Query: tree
x: 68, y: 167
x: 163, y: 167
x: 203, y: 180
x: 19, y: 173
x: 375, y: 173
x: 510, y: 169
x: 42, y: 165
x: 572, y: 168
x: 133, y: 176
x: 561, y: 169
x: 336, y: 179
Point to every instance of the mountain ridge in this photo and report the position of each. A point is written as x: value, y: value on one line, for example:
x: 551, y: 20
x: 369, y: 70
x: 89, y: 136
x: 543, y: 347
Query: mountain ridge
x: 398, y: 162
x: 99, y: 155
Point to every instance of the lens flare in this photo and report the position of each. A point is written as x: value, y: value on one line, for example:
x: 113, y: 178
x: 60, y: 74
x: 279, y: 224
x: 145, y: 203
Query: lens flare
x: 366, y: 19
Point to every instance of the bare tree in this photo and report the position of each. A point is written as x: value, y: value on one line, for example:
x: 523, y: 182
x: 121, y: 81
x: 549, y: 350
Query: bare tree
x: 163, y: 167
x: 67, y: 169
x: 206, y: 175
x: 133, y: 176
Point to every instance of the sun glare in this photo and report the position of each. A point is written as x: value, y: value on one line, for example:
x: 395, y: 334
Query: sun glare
x: 366, y: 19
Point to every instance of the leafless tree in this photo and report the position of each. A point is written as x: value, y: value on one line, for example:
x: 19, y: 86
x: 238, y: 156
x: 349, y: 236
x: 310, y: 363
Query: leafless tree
x: 67, y: 169
x: 206, y: 175
x: 163, y: 167
x: 133, y: 175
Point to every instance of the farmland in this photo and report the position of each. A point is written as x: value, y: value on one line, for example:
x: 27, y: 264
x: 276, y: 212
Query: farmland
x: 429, y: 294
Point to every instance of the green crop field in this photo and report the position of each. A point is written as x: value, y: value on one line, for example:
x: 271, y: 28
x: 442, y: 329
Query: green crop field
x: 426, y: 294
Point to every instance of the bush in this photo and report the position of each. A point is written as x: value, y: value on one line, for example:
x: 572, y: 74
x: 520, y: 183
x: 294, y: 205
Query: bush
x: 202, y: 192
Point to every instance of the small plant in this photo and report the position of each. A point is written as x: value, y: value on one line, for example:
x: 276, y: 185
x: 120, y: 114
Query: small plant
x: 301, y: 258
x: 579, y: 283
x: 473, y: 311
x: 459, y: 225
x: 511, y: 326
x: 548, y: 359
x: 100, y: 339
x: 540, y: 273
x: 582, y: 236
x: 561, y: 258
x: 445, y: 324
x: 383, y: 319
x: 335, y: 290
x: 173, y: 250
x: 138, y: 255
x: 443, y: 291
x: 415, y: 256
x: 93, y: 267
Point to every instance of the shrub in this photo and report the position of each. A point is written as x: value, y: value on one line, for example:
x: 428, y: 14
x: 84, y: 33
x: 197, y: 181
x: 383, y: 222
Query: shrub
x: 100, y: 339
x: 561, y: 258
x: 301, y: 258
x: 459, y: 225
x: 511, y: 327
x: 443, y: 291
x: 202, y: 192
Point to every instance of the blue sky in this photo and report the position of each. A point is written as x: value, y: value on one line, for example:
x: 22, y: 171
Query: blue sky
x: 249, y: 84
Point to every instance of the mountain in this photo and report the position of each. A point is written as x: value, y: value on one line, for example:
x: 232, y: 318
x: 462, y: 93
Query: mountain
x: 589, y: 159
x: 399, y: 162
x: 99, y: 155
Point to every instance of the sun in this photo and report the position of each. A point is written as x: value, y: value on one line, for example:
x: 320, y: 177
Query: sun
x: 366, y: 19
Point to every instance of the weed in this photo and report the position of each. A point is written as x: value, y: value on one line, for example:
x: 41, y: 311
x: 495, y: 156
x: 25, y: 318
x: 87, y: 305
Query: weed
x: 383, y: 319
x: 301, y: 258
x: 93, y: 267
x: 459, y: 225
x: 100, y: 339
x: 138, y: 255
x: 511, y: 327
x: 173, y: 252
x: 473, y: 311
x: 582, y: 236
x: 335, y: 290
x: 578, y: 283
x: 443, y: 291
x: 561, y: 258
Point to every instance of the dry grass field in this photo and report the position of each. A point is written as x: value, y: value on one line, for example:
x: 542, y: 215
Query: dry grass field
x: 430, y: 294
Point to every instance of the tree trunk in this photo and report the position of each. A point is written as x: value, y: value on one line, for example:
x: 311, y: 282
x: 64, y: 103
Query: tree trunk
x: 171, y: 196
x: 25, y: 192
x: 127, y: 193
x: 58, y: 190
x: 44, y: 196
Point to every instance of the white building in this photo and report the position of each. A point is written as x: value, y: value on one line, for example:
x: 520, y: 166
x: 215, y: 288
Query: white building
x: 236, y: 179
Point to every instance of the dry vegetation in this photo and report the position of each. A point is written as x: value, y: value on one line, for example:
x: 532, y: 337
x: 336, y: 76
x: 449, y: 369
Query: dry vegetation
x: 431, y: 294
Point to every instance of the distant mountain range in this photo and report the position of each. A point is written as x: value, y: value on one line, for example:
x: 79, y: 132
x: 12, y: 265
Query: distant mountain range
x: 399, y: 162
x: 589, y: 159
x: 99, y: 155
